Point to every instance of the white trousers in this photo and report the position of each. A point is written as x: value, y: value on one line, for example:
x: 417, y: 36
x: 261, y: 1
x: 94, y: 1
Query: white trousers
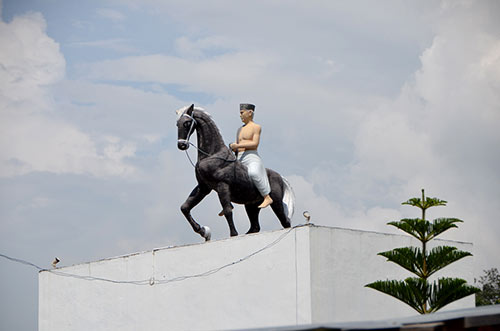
x: 256, y: 171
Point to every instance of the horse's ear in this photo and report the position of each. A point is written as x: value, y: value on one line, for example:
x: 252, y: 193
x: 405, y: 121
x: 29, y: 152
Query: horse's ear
x: 190, y: 110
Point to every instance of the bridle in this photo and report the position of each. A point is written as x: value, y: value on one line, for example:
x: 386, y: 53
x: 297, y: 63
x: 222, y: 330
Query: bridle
x: 190, y: 132
x: 186, y: 141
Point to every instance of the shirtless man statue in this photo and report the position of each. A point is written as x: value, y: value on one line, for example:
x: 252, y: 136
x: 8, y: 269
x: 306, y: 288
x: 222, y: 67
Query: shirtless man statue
x: 248, y: 138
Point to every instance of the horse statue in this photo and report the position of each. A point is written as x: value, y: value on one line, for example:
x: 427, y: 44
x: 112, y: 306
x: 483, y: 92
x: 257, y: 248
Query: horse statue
x: 217, y: 169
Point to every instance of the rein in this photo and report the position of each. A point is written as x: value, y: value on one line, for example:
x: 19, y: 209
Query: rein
x: 186, y: 141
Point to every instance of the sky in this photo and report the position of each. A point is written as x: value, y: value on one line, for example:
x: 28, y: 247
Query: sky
x: 362, y: 104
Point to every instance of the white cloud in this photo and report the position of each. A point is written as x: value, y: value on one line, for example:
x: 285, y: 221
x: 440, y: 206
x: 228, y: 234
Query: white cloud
x: 325, y: 211
x: 188, y: 48
x: 30, y: 60
x: 223, y: 74
x: 111, y: 14
x: 37, y: 143
x: 32, y: 139
x: 442, y: 133
x: 119, y: 45
x: 123, y: 111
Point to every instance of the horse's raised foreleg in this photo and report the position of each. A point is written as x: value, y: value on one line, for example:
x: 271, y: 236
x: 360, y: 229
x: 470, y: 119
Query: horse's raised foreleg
x: 227, y: 208
x: 198, y: 193
x: 253, y: 211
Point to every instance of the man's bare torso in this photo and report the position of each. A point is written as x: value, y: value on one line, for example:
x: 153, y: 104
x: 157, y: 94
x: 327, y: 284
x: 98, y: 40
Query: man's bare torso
x: 249, y: 133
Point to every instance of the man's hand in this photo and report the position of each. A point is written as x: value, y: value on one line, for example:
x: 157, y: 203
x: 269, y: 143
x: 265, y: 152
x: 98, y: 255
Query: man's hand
x: 233, y: 146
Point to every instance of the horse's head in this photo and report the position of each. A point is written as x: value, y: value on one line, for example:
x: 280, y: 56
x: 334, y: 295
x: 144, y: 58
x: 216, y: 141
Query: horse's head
x: 186, y: 125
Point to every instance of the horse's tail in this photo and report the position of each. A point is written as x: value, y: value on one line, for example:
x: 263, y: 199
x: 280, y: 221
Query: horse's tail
x: 288, y: 199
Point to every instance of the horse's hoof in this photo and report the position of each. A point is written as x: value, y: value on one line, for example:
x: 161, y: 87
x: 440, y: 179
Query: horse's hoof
x: 206, y: 233
x: 253, y: 230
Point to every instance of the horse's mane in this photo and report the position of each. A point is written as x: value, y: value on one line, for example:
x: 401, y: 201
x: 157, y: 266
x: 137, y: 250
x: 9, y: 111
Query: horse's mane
x: 182, y: 110
x: 203, y: 112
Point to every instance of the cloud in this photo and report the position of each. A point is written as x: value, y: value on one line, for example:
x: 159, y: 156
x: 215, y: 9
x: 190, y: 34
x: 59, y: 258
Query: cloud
x: 111, y: 14
x: 120, y: 110
x: 202, y: 47
x: 326, y: 211
x: 31, y: 61
x: 372, y: 48
x: 32, y: 138
x: 36, y: 143
x: 226, y: 70
x: 119, y: 45
x: 441, y: 132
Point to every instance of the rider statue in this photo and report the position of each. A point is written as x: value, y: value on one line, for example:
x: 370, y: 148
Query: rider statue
x: 245, y: 182
x: 247, y: 142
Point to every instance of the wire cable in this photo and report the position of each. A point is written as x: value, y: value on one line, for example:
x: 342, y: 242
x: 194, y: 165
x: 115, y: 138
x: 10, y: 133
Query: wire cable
x: 215, y: 270
x: 152, y: 280
x: 13, y: 259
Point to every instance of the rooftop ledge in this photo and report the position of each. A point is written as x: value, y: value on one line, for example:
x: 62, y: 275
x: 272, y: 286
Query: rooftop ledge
x: 304, y: 275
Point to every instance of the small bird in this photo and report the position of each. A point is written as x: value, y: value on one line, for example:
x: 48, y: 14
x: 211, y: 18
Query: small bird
x: 307, y: 216
x: 56, y: 261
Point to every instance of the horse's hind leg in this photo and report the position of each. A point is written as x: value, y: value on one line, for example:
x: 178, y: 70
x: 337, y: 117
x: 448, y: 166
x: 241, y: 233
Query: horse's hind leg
x: 279, y: 210
x: 198, y: 193
x: 277, y: 196
x: 253, y: 211
x: 227, y: 208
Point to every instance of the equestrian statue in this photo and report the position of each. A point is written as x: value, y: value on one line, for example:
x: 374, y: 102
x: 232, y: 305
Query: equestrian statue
x: 239, y: 178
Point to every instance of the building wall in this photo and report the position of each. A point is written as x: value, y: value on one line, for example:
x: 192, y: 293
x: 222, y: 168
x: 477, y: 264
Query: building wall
x: 343, y: 261
x: 288, y: 277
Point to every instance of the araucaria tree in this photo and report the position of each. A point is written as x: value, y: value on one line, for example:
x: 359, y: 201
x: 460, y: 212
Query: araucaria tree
x: 418, y: 292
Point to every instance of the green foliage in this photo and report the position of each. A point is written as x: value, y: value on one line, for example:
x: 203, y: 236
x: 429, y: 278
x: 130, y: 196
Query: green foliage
x: 441, y: 256
x: 422, y: 296
x: 411, y: 259
x: 412, y: 291
x: 428, y: 202
x: 417, y: 292
x: 447, y: 290
x: 424, y: 230
x: 490, y: 288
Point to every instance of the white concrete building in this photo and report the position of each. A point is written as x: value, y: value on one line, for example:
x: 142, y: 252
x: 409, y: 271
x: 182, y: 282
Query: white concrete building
x: 303, y: 275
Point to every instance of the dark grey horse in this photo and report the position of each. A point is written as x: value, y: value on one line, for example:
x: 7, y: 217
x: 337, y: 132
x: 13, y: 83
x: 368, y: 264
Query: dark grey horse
x: 217, y: 169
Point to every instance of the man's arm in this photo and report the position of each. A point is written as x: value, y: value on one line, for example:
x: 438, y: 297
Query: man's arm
x: 250, y: 144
